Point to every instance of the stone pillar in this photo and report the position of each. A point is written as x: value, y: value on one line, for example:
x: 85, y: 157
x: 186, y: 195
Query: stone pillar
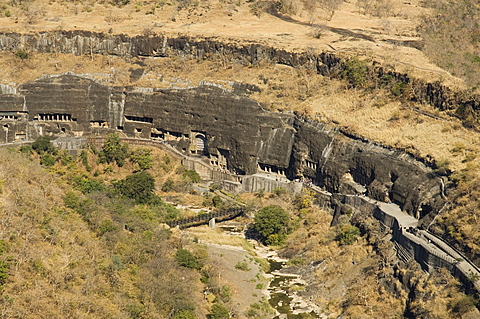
x: 211, y: 223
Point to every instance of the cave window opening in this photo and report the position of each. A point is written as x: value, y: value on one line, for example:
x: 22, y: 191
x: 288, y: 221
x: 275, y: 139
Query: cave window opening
x: 156, y: 136
x: 98, y: 123
x: 55, y: 117
x: 120, y: 128
x: 139, y: 119
x: 311, y: 165
x: 138, y: 130
x: 20, y: 136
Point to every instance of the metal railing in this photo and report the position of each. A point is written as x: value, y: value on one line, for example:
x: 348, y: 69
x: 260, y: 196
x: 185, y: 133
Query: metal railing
x: 200, y: 219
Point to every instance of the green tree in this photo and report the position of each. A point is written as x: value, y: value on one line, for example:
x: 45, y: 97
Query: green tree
x: 87, y: 185
x: 217, y: 201
x: 113, y: 150
x: 138, y: 186
x: 142, y: 158
x: 168, y: 186
x: 43, y: 145
x: 271, y: 222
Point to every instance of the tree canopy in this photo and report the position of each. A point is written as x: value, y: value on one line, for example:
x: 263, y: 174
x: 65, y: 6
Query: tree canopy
x: 271, y: 222
x: 138, y: 186
x: 113, y: 150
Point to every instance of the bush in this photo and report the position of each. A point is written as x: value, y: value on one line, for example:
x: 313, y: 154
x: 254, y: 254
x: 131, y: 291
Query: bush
x: 348, y: 234
x: 87, y: 185
x: 242, y: 265
x: 218, y: 312
x: 279, y: 191
x: 120, y: 3
x: 22, y: 54
x: 356, y: 72
x: 463, y: 305
x: 217, y: 201
x: 184, y: 314
x: 168, y: 186
x: 3, y: 272
x: 186, y: 259
x: 106, y: 226
x: 47, y: 160
x: 190, y: 176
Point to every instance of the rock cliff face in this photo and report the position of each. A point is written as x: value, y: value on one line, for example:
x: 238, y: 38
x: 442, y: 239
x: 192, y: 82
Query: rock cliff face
x: 328, y: 64
x: 232, y: 131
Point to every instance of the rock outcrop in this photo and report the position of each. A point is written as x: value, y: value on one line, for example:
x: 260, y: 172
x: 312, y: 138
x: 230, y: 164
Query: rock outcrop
x: 229, y: 130
x: 329, y: 64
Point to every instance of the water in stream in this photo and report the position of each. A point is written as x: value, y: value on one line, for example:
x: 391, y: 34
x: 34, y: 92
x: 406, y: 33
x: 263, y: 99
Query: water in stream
x: 280, y: 291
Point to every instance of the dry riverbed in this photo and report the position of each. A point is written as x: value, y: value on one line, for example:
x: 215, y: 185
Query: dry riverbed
x: 249, y: 283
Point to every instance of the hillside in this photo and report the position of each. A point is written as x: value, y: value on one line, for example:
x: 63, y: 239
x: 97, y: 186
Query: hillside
x: 52, y: 239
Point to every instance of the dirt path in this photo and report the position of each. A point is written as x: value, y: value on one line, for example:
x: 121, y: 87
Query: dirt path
x: 242, y: 282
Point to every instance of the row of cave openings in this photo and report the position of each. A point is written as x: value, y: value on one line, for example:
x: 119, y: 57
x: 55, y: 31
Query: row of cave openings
x: 198, y: 145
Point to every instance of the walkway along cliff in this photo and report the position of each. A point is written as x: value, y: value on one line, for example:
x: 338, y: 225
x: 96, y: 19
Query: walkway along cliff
x: 228, y: 137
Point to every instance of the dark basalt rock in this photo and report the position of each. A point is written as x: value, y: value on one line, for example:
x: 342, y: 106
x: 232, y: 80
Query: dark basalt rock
x: 225, y: 127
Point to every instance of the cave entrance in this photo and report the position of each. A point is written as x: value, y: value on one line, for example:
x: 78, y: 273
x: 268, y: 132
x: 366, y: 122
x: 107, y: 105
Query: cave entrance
x: 201, y: 144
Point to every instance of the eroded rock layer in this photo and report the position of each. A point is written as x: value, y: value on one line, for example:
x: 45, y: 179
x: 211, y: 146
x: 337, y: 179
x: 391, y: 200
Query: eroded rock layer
x: 229, y: 130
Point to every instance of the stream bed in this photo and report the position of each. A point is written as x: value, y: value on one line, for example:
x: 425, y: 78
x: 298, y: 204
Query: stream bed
x: 284, y: 294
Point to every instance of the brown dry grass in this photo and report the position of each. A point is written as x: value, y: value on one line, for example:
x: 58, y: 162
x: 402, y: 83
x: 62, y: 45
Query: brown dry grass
x: 238, y: 20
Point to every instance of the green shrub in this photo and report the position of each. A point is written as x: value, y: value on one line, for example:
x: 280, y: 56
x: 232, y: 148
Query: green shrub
x: 3, y: 272
x: 184, y: 314
x: 8, y: 14
x: 348, y: 234
x: 168, y: 186
x: 463, y: 305
x: 190, y: 176
x: 87, y: 185
x: 47, y: 160
x: 217, y: 201
x: 356, y: 72
x: 225, y: 294
x: 113, y: 150
x: 218, y: 311
x: 26, y: 149
x: 398, y: 88
x: 279, y: 191
x: 142, y: 158
x: 242, y: 265
x: 22, y: 54
x: 106, y: 226
x: 186, y: 259
x: 84, y: 157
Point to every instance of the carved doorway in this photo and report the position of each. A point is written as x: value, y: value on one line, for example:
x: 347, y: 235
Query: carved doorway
x: 201, y: 144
